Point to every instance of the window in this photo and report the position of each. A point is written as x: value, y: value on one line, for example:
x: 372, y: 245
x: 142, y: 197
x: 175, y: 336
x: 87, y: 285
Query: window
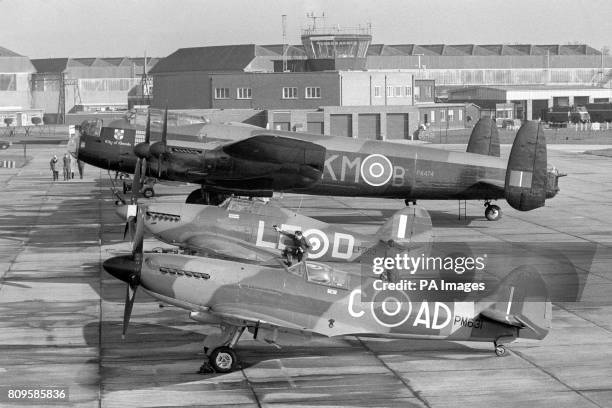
x: 433, y: 116
x: 460, y: 114
x: 289, y: 92
x: 389, y: 91
x: 417, y: 93
x: 222, y: 93
x: 377, y: 91
x: 397, y: 91
x: 244, y: 93
x: 313, y: 92
x: 451, y: 115
x: 442, y: 116
x: 408, y: 91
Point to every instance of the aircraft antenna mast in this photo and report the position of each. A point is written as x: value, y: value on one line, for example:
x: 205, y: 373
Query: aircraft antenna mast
x: 285, y: 43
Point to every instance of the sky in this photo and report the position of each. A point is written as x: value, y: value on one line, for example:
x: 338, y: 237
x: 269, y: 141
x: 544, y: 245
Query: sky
x: 118, y: 28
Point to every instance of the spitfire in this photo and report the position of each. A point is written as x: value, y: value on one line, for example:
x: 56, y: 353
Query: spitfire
x: 242, y: 229
x: 325, y: 298
x: 245, y: 160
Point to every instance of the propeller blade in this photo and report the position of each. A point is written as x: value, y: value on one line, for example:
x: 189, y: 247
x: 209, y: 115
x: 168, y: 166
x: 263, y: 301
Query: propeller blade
x: 164, y: 134
x: 148, y: 128
x: 137, y: 246
x: 143, y: 170
x: 130, y: 295
x: 136, y: 185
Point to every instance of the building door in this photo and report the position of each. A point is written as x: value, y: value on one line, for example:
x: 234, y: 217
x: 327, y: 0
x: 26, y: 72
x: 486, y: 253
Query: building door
x: 581, y: 100
x: 341, y: 125
x: 281, y: 126
x: 397, y: 126
x: 369, y: 126
x: 315, y: 127
x: 538, y: 107
x: 561, y: 101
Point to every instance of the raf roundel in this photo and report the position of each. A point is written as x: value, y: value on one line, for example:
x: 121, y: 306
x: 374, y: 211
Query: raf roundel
x: 376, y: 170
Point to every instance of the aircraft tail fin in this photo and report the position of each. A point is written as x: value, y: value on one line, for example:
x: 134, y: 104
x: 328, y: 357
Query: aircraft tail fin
x: 525, y: 186
x: 484, y: 138
x: 522, y: 301
x: 408, y: 225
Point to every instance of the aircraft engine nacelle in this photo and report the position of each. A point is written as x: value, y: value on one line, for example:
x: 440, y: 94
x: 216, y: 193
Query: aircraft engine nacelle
x: 266, y: 162
x: 526, y: 185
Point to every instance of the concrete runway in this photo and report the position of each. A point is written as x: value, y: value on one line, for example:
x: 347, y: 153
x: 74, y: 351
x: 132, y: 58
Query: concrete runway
x: 60, y: 314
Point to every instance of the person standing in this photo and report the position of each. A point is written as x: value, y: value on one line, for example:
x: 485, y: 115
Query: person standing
x: 81, y: 167
x: 67, y: 169
x: 53, y: 165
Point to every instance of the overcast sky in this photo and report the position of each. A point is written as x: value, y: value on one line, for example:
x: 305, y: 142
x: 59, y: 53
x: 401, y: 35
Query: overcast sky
x: 115, y: 28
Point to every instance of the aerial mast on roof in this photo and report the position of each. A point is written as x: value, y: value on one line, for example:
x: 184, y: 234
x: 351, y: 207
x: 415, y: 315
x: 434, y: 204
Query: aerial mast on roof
x: 285, y: 43
x: 314, y: 18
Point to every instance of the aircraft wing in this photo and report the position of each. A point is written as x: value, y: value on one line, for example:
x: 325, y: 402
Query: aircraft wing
x: 239, y: 315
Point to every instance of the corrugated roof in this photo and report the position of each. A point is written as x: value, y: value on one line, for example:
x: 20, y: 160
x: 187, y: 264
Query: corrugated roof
x: 220, y: 58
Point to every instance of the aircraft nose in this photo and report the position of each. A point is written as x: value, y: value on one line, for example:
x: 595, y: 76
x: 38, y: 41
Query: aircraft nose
x: 122, y: 267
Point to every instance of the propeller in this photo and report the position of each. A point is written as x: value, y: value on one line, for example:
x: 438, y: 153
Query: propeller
x: 160, y: 149
x: 127, y: 268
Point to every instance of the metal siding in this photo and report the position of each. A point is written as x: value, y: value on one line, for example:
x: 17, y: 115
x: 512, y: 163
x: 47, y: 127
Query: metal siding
x: 341, y: 125
x: 397, y: 126
x: 369, y: 126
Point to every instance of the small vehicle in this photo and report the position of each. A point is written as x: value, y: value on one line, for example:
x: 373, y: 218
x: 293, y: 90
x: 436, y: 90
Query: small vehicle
x: 146, y: 189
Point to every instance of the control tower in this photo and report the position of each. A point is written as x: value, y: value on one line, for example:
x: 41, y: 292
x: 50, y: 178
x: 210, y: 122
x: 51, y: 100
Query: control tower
x: 336, y: 42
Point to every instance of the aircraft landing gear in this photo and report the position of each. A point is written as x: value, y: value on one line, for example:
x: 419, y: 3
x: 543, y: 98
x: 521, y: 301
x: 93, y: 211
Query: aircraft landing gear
x: 492, y: 211
x: 202, y: 196
x: 220, y: 350
x: 408, y: 201
x: 500, y: 349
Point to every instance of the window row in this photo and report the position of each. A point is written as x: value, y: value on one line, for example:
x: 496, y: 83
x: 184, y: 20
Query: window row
x: 288, y: 92
x: 394, y: 91
x: 444, y: 115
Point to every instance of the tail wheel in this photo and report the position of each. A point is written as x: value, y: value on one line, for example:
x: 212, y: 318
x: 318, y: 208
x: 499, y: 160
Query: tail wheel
x: 223, y: 359
x: 500, y: 351
x: 493, y: 213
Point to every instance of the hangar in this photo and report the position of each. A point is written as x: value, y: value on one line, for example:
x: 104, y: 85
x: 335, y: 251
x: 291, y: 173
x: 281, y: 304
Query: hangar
x: 73, y: 86
x: 529, y: 101
x: 15, y: 72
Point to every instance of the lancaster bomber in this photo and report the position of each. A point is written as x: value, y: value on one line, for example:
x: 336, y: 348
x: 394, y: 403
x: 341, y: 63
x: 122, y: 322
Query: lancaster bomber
x: 245, y: 160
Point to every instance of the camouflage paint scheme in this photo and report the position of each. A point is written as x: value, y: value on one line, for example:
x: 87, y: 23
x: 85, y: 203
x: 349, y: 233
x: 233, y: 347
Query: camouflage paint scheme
x: 317, y: 298
x: 234, y: 158
x: 243, y: 229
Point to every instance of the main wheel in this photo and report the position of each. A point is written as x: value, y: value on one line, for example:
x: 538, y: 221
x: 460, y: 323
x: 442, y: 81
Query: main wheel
x: 500, y: 351
x: 148, y: 192
x: 493, y: 213
x: 223, y: 359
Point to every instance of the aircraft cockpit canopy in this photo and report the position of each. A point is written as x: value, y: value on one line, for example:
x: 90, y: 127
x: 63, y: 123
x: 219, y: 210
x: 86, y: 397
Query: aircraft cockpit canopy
x: 320, y: 274
x: 255, y: 206
x: 91, y: 127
